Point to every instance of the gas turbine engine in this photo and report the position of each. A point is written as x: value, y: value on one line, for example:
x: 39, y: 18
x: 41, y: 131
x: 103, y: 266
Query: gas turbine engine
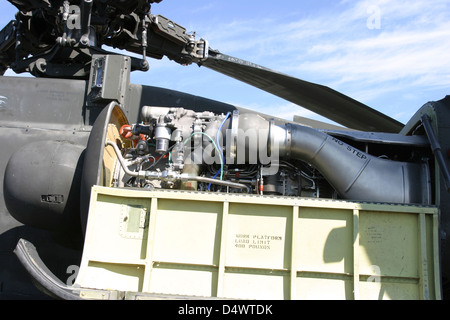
x: 200, y: 151
x: 175, y: 148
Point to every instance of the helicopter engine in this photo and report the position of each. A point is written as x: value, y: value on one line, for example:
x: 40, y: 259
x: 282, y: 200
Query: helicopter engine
x: 175, y: 148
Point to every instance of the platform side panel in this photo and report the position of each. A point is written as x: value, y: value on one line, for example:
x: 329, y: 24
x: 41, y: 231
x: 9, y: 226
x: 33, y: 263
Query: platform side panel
x: 235, y: 246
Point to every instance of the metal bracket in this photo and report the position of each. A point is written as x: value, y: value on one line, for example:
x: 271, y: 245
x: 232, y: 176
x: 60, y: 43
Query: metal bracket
x: 436, y: 148
x: 197, y: 50
x: 109, y: 78
x: 134, y: 219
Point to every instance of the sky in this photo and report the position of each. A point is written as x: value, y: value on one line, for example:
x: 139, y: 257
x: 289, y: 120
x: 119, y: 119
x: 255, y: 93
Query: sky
x: 392, y: 55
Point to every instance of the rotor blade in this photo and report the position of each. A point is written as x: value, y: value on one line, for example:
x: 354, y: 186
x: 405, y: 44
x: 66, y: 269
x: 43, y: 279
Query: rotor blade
x: 317, y: 98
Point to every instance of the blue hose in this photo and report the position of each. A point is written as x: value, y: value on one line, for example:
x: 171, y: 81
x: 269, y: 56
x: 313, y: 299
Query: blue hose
x: 218, y: 146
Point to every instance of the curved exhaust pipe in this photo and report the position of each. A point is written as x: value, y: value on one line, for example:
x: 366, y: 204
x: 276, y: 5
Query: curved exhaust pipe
x: 354, y: 174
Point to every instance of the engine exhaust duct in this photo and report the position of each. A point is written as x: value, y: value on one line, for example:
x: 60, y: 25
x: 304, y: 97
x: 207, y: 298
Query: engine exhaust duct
x: 354, y: 174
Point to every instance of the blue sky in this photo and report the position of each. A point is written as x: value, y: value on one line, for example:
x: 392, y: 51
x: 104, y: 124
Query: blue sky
x: 391, y: 55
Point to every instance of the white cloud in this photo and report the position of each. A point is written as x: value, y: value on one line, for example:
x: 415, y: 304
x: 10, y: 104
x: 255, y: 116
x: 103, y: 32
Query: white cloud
x: 410, y: 50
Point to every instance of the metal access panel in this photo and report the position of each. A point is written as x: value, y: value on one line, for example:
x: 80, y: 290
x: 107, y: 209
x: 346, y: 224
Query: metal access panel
x: 110, y: 78
x: 147, y: 244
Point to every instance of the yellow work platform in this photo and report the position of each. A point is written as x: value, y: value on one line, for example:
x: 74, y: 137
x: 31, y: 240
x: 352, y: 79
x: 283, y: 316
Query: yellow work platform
x: 197, y: 244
